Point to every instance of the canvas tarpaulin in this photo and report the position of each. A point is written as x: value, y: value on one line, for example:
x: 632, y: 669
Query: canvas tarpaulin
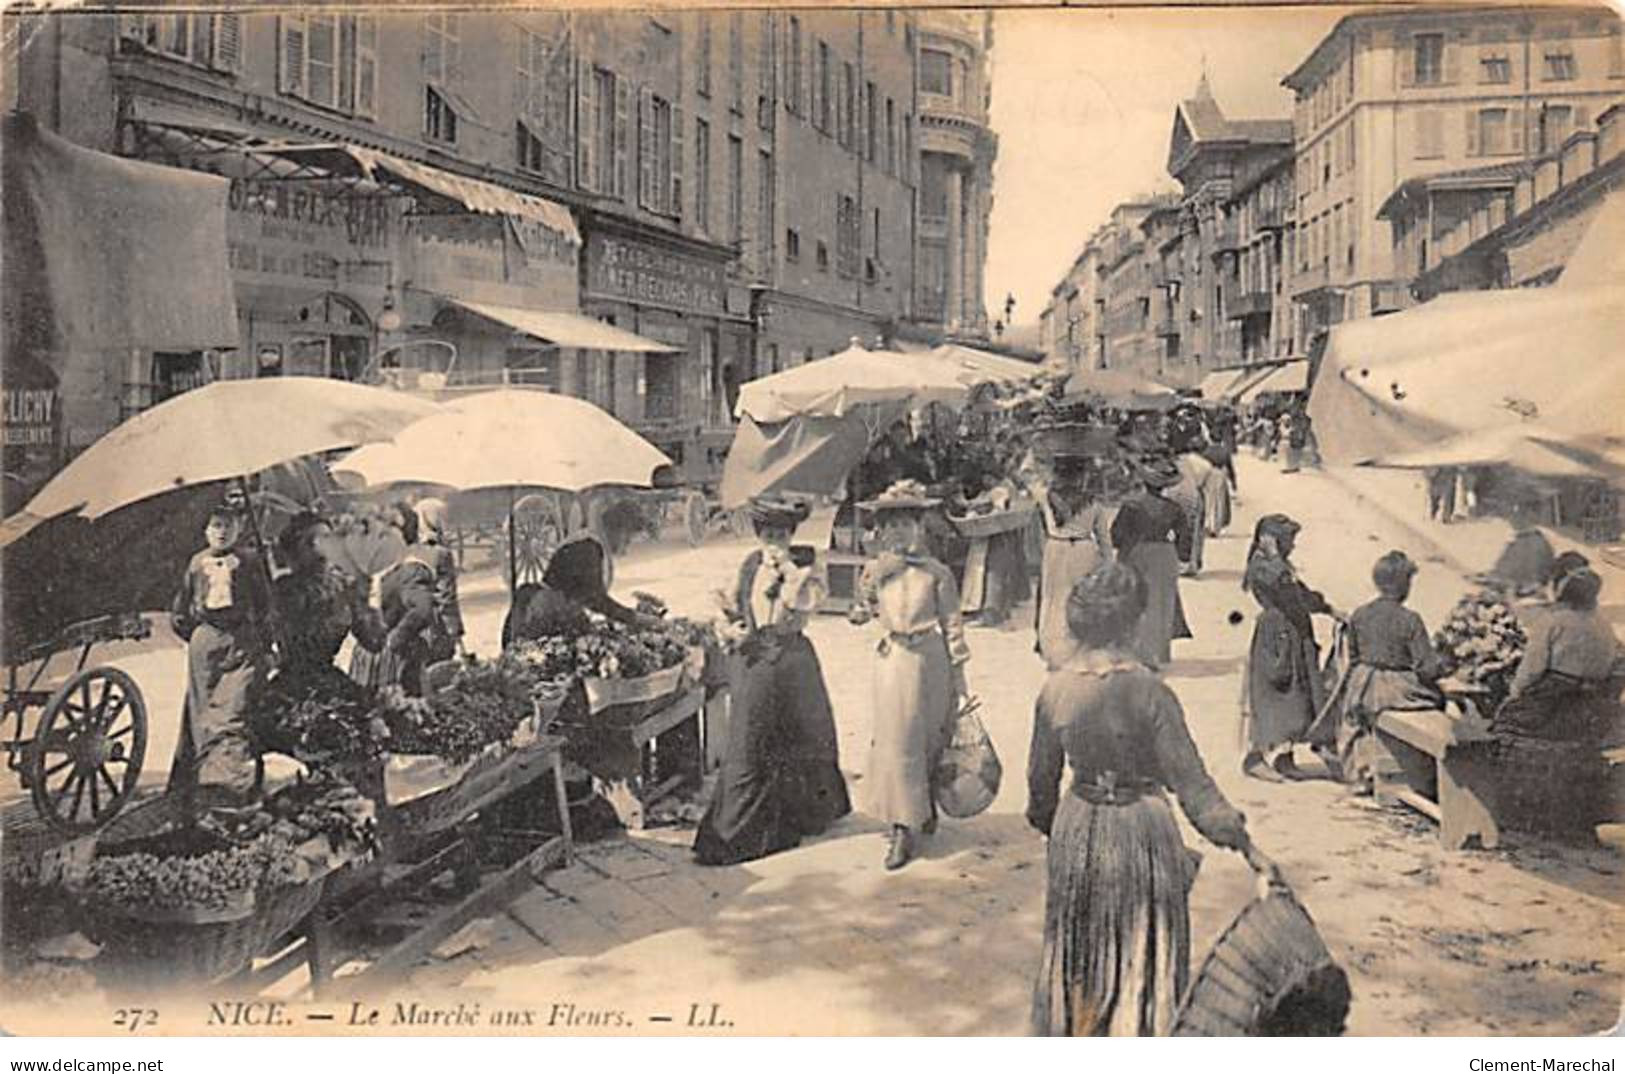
x: 829, y: 387
x: 102, y: 253
x: 1469, y: 362
x: 809, y: 454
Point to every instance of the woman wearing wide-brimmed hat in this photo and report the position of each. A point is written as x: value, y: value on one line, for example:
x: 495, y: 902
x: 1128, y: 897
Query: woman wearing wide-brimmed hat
x: 919, y: 678
x: 1284, y: 691
x: 1116, y: 918
x: 1153, y: 535
x: 781, y: 776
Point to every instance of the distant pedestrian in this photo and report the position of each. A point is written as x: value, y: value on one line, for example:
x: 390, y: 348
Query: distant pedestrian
x: 1116, y: 956
x: 1441, y: 493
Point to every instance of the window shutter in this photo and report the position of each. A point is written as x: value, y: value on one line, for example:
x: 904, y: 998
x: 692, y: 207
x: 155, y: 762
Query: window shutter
x: 1453, y: 48
x: 201, y: 47
x: 1518, y: 120
x: 228, y: 42
x: 522, y: 88
x: 346, y: 58
x: 646, y: 148
x: 291, y: 69
x: 453, y: 58
x: 675, y: 205
x: 1472, y: 134
x: 434, y: 50
x: 586, y: 126
x: 366, y: 66
x: 1407, y: 60
x: 623, y: 137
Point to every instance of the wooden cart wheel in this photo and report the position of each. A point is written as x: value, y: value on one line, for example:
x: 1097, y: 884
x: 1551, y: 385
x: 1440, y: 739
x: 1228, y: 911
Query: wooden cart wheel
x: 697, y: 516
x: 87, y: 751
x: 538, y: 529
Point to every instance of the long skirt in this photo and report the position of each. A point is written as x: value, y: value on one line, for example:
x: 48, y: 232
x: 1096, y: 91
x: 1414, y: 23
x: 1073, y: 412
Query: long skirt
x: 781, y: 776
x: 214, y: 754
x: 1164, y: 616
x: 1116, y: 921
x: 403, y: 668
x: 1550, y: 740
x: 1368, y: 693
x: 1284, y: 688
x: 913, y: 720
x: 1215, y: 503
x: 1007, y: 582
x: 1065, y: 564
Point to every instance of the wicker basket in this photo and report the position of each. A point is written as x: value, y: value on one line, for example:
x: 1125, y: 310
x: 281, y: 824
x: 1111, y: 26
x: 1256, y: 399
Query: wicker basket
x: 607, y: 693
x: 1269, y: 974
x: 187, y: 946
x: 972, y: 527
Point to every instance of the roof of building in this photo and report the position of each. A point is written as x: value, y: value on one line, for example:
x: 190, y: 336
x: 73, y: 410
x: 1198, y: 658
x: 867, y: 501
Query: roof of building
x: 1198, y: 121
x: 1484, y: 177
x: 1301, y: 76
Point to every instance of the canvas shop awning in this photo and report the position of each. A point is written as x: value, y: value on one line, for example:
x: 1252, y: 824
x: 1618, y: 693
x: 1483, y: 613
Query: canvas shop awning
x: 475, y: 195
x: 565, y: 329
x: 1291, y: 377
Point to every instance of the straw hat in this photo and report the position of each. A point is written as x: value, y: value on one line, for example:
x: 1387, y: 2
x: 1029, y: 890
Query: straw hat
x: 770, y: 511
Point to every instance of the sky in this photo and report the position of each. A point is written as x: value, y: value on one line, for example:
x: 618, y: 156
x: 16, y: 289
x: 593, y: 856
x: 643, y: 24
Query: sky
x: 1083, y: 104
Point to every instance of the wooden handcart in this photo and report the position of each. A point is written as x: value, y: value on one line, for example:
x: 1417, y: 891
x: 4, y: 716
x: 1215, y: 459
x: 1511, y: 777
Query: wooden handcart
x: 76, y: 739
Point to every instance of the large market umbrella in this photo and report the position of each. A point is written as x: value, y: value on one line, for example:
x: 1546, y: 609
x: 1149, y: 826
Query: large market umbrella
x: 975, y: 366
x: 224, y: 430
x: 1120, y: 390
x: 512, y: 439
x: 1532, y: 447
x: 829, y: 387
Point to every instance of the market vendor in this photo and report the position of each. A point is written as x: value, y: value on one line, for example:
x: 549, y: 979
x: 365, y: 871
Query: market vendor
x: 573, y: 585
x: 1393, y: 669
x: 433, y: 551
x: 781, y: 775
x: 219, y: 610
x: 318, y: 603
x: 403, y: 596
x: 1566, y: 686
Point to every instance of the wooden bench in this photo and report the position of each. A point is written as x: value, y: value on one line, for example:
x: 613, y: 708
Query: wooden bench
x: 1447, y: 772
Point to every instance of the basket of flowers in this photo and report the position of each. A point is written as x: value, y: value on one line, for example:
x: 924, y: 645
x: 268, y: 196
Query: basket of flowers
x: 201, y: 902
x: 1481, y: 644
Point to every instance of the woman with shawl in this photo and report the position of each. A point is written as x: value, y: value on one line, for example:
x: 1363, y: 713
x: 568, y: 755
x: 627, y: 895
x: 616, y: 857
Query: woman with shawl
x: 1284, y: 691
x: 1154, y: 535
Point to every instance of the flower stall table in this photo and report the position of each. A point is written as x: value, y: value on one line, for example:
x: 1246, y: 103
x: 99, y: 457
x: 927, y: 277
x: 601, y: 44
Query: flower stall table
x: 1448, y: 771
x: 420, y: 842
x: 639, y: 757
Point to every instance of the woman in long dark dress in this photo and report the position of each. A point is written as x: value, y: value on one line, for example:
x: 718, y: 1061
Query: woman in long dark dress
x: 1116, y: 919
x: 1154, y: 535
x: 1284, y: 691
x: 572, y: 585
x: 781, y: 776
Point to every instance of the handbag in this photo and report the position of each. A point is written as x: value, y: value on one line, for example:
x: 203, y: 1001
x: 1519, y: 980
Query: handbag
x: 967, y: 775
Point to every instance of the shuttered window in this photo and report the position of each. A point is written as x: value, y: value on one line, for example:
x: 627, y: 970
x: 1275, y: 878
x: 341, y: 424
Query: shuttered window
x: 326, y: 60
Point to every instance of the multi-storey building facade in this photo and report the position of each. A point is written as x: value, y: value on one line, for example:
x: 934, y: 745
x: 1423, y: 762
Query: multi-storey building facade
x: 735, y: 191
x: 957, y: 148
x: 1390, y: 96
x: 1513, y: 225
x: 1232, y: 236
x: 1129, y: 342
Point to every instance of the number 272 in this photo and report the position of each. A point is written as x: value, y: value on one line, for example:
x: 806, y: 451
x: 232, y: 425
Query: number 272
x: 134, y: 1018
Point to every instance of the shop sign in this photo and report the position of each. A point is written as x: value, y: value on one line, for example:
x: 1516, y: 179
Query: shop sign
x: 277, y: 229
x: 642, y: 272
x: 31, y: 417
x: 494, y: 259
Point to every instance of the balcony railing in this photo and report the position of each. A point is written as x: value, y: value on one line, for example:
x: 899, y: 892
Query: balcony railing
x: 1226, y: 238
x: 1248, y: 304
x: 1270, y: 218
x: 1313, y: 278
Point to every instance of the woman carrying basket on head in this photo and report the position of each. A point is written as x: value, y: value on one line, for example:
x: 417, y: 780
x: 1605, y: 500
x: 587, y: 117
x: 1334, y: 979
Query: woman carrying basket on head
x: 1116, y: 919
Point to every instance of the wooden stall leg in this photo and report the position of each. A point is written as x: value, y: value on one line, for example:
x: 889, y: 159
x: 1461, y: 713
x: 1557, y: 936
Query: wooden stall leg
x: 1464, y: 814
x: 563, y: 798
x: 321, y: 953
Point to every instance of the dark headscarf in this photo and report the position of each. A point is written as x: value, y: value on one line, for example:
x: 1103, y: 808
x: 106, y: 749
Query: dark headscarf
x: 1273, y: 527
x: 1103, y: 606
